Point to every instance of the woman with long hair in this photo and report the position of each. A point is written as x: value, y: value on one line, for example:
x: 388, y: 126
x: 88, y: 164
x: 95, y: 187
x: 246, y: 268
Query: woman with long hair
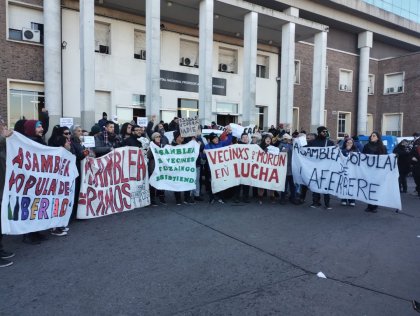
x: 348, y: 147
x: 265, y: 142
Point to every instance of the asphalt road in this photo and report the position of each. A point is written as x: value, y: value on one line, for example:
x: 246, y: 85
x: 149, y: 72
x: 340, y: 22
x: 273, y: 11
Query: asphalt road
x: 232, y: 259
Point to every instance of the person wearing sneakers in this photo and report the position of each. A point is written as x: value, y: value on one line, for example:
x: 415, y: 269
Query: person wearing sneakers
x: 4, y: 255
x: 321, y: 140
x: 348, y: 147
x: 155, y: 138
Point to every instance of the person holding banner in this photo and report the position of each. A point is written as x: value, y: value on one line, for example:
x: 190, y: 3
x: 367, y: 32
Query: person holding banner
x: 159, y: 129
x: 4, y: 255
x: 126, y: 130
x: 375, y: 146
x: 348, y: 147
x: 215, y: 142
x: 179, y: 140
x: 286, y: 146
x: 265, y: 143
x: 244, y: 188
x: 156, y: 137
x: 107, y: 140
x: 321, y: 140
x: 132, y: 140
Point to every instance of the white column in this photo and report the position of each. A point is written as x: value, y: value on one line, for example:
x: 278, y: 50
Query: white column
x: 364, y: 44
x: 87, y: 63
x: 52, y: 61
x: 318, y: 80
x: 287, y: 69
x: 250, y: 68
x: 205, y: 80
x: 153, y: 58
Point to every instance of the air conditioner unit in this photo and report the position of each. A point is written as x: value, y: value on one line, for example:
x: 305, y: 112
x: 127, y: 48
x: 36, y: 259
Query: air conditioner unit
x: 391, y: 90
x: 143, y: 54
x: 185, y: 61
x: 223, y: 68
x: 30, y: 35
x: 370, y: 90
x: 104, y: 49
x: 400, y: 89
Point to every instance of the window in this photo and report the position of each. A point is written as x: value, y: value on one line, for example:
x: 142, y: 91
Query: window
x: 295, y: 118
x: 167, y: 116
x: 369, y: 128
x: 231, y: 108
x: 25, y: 24
x: 325, y: 118
x: 392, y: 124
x: 262, y: 116
x: 102, y: 38
x: 344, y: 122
x: 138, y: 100
x: 394, y: 83
x: 345, y: 80
x: 371, y: 84
x: 188, y: 53
x: 102, y: 104
x: 326, y: 77
x: 262, y: 66
x: 24, y: 104
x: 228, y: 60
x: 297, y: 72
x: 187, y: 108
x: 139, y: 45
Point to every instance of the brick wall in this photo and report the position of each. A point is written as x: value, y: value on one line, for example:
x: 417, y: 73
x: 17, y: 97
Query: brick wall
x: 18, y: 60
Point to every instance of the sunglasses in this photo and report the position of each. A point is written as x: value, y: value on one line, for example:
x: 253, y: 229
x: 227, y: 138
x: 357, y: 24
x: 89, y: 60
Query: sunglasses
x: 66, y: 133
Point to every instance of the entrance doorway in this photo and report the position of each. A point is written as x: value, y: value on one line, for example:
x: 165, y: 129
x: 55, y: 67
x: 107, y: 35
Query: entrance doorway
x: 187, y: 108
x: 226, y: 119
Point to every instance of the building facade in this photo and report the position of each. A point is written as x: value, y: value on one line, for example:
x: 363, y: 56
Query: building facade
x: 345, y: 64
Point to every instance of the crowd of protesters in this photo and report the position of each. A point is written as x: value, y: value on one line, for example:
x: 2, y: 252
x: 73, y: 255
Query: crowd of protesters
x: 109, y: 135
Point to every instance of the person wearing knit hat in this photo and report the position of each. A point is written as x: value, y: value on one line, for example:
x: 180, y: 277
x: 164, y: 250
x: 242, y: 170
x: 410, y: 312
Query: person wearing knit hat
x: 95, y: 130
x: 33, y: 130
x: 155, y: 135
x: 103, y: 121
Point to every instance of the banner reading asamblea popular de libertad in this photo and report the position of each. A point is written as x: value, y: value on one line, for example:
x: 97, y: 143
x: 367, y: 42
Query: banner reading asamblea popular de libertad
x: 246, y: 164
x: 175, y: 166
x: 39, y: 186
x: 369, y: 178
x: 114, y: 183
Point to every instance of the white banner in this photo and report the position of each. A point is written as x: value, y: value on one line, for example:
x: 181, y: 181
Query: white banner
x: 39, y: 187
x: 369, y: 178
x: 175, y: 166
x: 246, y: 164
x: 238, y: 130
x: 114, y: 183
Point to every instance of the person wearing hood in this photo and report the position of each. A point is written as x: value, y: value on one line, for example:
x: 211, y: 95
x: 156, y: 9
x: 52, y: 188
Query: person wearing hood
x: 102, y: 121
x: 321, y: 140
x: 174, y: 125
x: 374, y: 147
x: 403, y: 152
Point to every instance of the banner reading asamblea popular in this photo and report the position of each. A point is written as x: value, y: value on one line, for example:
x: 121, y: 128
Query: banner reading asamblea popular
x: 114, y: 183
x: 175, y: 166
x: 369, y: 178
x: 246, y: 164
x: 39, y: 186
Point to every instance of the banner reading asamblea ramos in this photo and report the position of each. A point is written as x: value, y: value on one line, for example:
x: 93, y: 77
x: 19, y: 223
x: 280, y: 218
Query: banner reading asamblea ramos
x: 113, y: 183
x: 246, y: 164
x: 369, y: 178
x: 39, y: 186
x: 175, y: 166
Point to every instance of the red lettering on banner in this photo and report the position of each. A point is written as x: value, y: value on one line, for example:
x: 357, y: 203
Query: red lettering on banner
x: 47, y: 163
x: 212, y: 156
x: 55, y: 208
x: 28, y: 160
x: 19, y: 158
x: 90, y: 197
x: 18, y: 180
x: 141, y: 166
x: 29, y: 184
x: 131, y: 162
x: 64, y: 206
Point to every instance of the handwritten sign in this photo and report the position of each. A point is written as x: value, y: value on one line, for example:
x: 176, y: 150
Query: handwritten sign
x: 189, y: 126
x: 142, y: 121
x: 114, y: 183
x: 39, y: 190
x: 66, y: 122
x: 369, y: 178
x: 88, y: 141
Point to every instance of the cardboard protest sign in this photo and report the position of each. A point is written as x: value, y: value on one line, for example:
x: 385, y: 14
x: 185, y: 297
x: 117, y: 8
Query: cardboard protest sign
x: 114, y: 183
x: 175, y: 166
x: 88, y: 141
x: 246, y: 164
x: 369, y: 178
x: 189, y: 126
x: 39, y: 187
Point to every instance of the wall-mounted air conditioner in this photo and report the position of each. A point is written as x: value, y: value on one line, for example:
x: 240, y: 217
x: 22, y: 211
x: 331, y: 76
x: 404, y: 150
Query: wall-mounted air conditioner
x: 30, y: 35
x: 103, y: 49
x: 390, y: 90
x: 223, y: 68
x: 143, y: 54
x: 185, y: 61
x: 400, y: 89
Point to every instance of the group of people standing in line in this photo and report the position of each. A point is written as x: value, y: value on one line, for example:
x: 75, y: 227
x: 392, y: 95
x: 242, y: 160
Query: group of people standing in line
x: 109, y: 135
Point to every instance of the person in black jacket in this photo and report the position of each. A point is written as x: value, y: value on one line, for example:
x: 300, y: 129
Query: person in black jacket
x: 415, y: 159
x: 374, y: 147
x: 403, y: 152
x: 321, y: 140
x: 133, y: 139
